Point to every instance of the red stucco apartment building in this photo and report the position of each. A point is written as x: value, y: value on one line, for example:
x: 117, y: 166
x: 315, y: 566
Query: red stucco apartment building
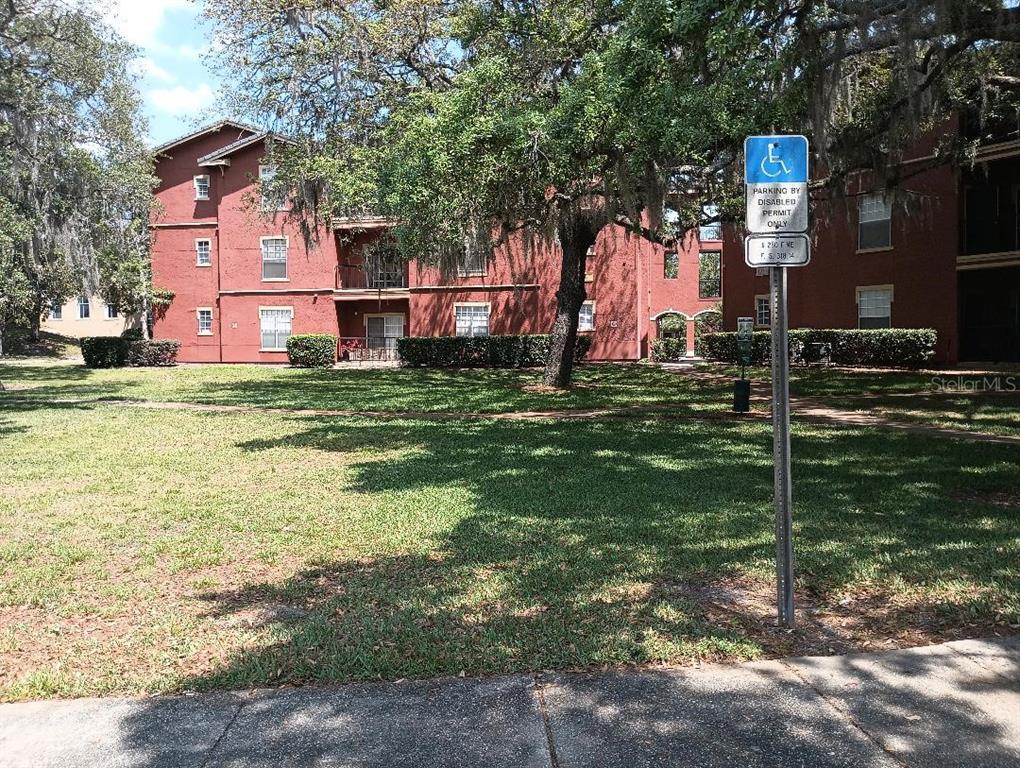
x: 943, y: 253
x: 243, y: 280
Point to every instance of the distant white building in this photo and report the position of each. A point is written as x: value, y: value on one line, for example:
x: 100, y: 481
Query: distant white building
x: 87, y: 316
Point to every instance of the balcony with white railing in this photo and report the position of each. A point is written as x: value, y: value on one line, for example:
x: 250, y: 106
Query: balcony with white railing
x: 368, y: 349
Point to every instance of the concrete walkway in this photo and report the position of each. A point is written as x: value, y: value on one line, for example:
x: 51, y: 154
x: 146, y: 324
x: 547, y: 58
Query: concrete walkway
x: 956, y: 704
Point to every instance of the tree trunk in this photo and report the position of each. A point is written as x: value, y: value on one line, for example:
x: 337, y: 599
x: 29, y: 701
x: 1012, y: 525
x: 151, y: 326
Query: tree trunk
x: 576, y: 237
x: 146, y: 292
x: 145, y: 316
x: 37, y: 310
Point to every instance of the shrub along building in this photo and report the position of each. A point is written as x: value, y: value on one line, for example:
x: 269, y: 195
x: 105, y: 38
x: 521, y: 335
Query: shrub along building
x: 243, y: 279
x: 942, y: 251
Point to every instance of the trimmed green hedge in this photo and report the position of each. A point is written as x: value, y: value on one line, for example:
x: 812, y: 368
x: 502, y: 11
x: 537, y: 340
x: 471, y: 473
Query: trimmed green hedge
x: 104, y: 351
x: 153, y: 352
x: 311, y: 350
x: 117, y: 351
x: 492, y: 351
x: 887, y: 347
x: 669, y: 350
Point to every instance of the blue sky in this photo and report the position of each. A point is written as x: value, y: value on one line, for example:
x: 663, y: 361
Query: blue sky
x: 178, y: 90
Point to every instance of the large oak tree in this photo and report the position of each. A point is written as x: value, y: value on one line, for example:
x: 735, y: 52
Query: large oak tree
x: 75, y: 175
x: 472, y: 121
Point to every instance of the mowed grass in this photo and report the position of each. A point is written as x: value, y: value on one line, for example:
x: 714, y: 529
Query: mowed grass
x: 385, y: 389
x: 987, y: 403
x: 157, y: 551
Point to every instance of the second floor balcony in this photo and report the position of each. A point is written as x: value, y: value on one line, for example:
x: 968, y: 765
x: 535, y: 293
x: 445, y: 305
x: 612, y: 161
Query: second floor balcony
x: 362, y: 277
x: 991, y: 208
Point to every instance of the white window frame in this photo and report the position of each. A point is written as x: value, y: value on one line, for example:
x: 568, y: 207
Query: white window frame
x: 262, y: 259
x: 88, y: 308
x: 768, y: 309
x: 862, y: 288
x: 198, y: 321
x: 488, y: 317
x: 289, y: 310
x: 208, y: 186
x: 58, y: 309
x: 868, y: 217
x: 198, y: 261
x: 265, y: 204
x: 108, y: 316
x: 582, y: 326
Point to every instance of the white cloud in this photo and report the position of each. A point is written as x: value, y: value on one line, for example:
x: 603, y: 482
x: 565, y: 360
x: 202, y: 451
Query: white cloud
x: 139, y: 20
x: 146, y: 67
x: 181, y: 101
x: 189, y: 52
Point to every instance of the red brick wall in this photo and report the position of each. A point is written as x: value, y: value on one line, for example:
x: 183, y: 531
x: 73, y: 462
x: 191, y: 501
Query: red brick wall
x: 625, y: 281
x: 920, y: 265
x: 240, y: 323
x: 625, y: 274
x: 233, y: 223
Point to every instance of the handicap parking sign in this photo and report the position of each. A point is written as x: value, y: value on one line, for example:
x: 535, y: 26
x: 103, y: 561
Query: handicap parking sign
x: 771, y: 159
x: 776, y: 172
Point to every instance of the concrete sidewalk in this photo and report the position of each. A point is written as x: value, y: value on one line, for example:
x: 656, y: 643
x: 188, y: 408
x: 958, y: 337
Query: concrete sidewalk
x: 956, y: 704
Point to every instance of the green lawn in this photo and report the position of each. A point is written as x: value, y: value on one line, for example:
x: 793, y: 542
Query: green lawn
x: 170, y: 550
x: 997, y: 414
x: 387, y: 389
x: 987, y: 403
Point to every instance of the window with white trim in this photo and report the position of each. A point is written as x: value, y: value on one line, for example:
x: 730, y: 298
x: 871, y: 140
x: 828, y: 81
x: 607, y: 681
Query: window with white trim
x: 270, y: 198
x: 874, y: 307
x: 274, y: 258
x: 472, y: 319
x: 586, y: 317
x: 56, y: 312
x: 203, y: 253
x: 204, y: 315
x: 875, y: 222
x: 84, y: 308
x: 762, y: 310
x: 201, y: 187
x: 111, y: 312
x: 274, y: 326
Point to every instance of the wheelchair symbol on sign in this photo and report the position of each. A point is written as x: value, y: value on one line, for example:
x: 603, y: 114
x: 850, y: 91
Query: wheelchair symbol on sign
x: 774, y: 161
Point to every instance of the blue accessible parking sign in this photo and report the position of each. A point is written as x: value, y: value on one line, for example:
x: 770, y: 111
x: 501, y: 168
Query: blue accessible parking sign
x: 771, y: 159
x: 776, y: 171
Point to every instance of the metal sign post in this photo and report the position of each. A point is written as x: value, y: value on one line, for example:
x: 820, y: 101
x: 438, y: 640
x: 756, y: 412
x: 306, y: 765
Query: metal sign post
x: 783, y: 491
x: 776, y: 175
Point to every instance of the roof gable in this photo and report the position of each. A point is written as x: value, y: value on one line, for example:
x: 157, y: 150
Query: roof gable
x: 213, y: 128
x: 221, y: 155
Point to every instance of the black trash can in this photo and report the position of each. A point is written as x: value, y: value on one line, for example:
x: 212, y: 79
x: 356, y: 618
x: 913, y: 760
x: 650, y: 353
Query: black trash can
x: 741, y: 395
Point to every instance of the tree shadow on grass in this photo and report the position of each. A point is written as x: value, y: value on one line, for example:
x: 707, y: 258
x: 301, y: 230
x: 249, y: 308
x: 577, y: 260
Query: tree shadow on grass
x: 571, y: 554
x: 12, y: 373
x: 476, y: 390
x: 580, y: 539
